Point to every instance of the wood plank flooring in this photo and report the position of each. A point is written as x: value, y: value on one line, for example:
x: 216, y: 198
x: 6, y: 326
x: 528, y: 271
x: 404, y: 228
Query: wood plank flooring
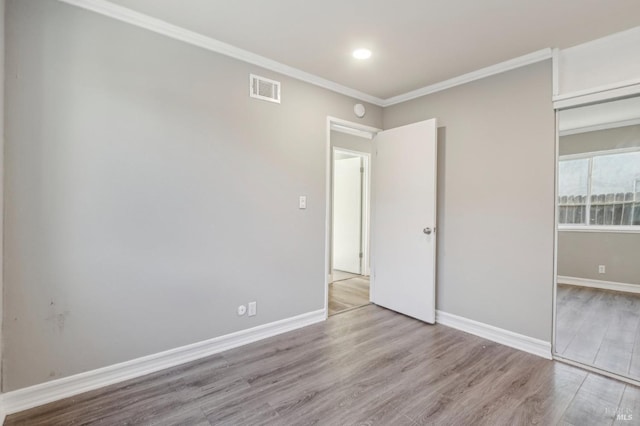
x: 348, y: 294
x: 342, y: 275
x: 599, y: 327
x: 367, y: 366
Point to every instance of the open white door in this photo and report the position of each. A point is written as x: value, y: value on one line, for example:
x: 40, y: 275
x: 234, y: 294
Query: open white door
x: 403, y: 237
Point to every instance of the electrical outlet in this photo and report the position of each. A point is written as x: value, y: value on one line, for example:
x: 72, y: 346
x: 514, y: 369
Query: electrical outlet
x: 602, y: 269
x: 242, y: 310
x: 302, y: 202
x: 253, y: 307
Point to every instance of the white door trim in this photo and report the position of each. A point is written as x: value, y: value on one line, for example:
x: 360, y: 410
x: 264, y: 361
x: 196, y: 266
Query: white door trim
x: 556, y: 219
x: 327, y: 185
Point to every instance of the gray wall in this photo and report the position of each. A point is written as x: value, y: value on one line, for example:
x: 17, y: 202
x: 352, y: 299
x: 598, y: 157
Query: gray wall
x: 147, y: 195
x: 580, y: 253
x: 495, y: 197
x: 601, y: 140
x: 351, y: 142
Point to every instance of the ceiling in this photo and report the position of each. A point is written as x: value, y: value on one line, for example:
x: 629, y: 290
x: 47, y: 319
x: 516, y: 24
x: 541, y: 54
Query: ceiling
x: 415, y: 43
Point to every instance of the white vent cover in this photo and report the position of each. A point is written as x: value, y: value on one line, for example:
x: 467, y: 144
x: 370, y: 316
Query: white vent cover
x: 263, y: 88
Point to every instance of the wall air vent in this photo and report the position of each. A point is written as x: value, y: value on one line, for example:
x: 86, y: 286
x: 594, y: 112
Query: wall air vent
x: 263, y: 88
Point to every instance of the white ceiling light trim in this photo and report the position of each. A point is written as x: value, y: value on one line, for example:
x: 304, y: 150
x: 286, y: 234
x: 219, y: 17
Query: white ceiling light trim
x: 511, y: 64
x: 120, y: 13
x: 123, y: 14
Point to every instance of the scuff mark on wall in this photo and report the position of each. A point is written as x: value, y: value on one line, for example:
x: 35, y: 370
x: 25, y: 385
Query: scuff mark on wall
x: 57, y: 319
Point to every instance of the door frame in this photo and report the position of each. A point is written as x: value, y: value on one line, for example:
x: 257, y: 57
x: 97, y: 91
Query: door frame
x: 365, y: 218
x: 357, y: 129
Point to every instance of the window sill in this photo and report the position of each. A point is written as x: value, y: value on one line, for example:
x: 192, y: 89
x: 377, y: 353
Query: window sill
x: 600, y: 228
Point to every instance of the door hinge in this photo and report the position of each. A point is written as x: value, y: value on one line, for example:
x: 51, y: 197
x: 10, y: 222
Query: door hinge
x: 361, y: 169
x: 360, y: 255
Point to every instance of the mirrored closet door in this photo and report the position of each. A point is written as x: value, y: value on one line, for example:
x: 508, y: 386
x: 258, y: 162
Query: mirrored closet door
x: 597, y: 320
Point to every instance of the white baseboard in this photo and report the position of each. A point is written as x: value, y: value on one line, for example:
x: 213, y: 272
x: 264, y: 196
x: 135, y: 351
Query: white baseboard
x: 499, y: 335
x: 604, y: 285
x: 33, y: 396
x: 3, y: 415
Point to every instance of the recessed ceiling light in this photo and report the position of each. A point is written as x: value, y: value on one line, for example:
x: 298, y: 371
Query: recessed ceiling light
x: 362, y: 53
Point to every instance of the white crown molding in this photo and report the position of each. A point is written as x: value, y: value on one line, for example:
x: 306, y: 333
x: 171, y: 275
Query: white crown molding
x: 33, y: 396
x: 120, y: 13
x: 521, y: 61
x: 495, y: 334
x: 603, y: 285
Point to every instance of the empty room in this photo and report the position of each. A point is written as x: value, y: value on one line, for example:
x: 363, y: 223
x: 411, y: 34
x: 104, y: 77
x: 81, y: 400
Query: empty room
x: 338, y: 213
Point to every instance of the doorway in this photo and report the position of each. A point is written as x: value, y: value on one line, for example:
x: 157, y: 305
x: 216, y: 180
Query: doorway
x: 348, y: 284
x: 350, y: 212
x: 403, y: 216
x: 350, y: 288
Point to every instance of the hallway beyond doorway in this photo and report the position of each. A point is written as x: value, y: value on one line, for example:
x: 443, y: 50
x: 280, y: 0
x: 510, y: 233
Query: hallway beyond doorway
x: 347, y: 291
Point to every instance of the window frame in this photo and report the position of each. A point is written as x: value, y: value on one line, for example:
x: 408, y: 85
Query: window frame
x: 629, y: 229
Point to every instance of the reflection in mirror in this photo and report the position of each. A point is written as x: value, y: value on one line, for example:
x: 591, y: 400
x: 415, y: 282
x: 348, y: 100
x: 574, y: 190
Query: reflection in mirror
x: 598, y: 284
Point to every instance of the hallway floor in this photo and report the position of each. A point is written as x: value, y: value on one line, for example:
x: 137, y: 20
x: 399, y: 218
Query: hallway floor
x: 350, y: 292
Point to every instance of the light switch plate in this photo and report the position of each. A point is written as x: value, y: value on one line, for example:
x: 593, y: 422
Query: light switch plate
x: 302, y: 202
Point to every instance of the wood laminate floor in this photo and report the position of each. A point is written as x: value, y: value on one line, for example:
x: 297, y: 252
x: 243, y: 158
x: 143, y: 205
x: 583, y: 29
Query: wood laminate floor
x: 599, y: 327
x: 368, y: 366
x: 348, y: 294
x: 342, y: 275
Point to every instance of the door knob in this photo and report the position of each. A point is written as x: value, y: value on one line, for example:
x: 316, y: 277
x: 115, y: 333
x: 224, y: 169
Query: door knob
x: 427, y: 231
